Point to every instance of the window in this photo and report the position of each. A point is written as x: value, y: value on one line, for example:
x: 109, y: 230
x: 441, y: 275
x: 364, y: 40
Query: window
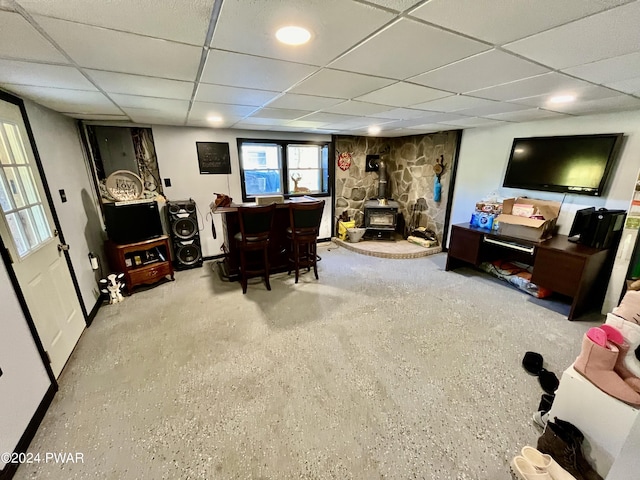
x: 19, y: 197
x: 278, y: 167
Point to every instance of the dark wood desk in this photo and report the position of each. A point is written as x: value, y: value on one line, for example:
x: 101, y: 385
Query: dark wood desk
x: 568, y: 268
x: 278, y: 242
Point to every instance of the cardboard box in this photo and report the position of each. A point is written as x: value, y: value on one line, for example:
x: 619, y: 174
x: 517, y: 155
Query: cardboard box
x: 528, y: 228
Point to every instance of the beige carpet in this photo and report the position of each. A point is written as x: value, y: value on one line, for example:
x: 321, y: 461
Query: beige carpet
x: 381, y: 369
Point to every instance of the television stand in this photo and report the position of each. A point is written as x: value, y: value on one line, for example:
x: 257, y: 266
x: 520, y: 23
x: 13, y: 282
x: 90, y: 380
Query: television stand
x: 142, y: 263
x: 571, y: 269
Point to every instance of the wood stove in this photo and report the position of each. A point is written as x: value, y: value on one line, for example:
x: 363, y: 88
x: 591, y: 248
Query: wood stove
x: 380, y: 218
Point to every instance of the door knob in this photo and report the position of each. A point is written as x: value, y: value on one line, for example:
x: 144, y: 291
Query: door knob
x: 63, y: 247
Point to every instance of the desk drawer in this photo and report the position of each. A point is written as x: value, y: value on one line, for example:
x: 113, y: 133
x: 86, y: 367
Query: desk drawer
x: 150, y: 274
x: 558, y: 271
x: 465, y: 245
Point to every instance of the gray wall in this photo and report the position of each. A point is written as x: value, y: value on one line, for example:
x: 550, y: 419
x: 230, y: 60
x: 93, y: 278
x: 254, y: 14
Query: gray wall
x: 178, y: 160
x: 484, y: 153
x: 65, y: 167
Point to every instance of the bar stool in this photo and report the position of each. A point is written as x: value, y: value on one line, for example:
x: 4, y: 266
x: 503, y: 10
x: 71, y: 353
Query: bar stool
x: 252, y: 240
x: 304, y: 220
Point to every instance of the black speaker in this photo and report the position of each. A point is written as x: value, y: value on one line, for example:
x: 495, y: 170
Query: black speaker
x: 183, y: 230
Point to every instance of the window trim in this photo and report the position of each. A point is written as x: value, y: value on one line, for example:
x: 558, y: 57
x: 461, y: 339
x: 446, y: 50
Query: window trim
x: 283, y: 144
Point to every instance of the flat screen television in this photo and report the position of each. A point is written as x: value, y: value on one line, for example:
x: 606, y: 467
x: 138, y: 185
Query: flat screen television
x: 578, y: 164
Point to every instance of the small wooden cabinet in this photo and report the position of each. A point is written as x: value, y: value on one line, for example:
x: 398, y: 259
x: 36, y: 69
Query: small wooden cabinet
x: 142, y: 263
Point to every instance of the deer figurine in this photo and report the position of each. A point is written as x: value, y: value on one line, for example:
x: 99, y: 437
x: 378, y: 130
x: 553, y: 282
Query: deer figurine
x: 296, y: 177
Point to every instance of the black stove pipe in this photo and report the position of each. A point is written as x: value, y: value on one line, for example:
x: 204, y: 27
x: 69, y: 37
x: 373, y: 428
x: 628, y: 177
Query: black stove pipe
x: 382, y: 179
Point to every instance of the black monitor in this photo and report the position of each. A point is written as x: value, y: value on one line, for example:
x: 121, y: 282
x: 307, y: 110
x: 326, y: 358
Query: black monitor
x: 581, y: 221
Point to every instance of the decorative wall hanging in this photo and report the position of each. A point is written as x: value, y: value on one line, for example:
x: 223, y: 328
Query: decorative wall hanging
x: 438, y: 168
x: 124, y: 185
x: 214, y: 157
x: 344, y: 161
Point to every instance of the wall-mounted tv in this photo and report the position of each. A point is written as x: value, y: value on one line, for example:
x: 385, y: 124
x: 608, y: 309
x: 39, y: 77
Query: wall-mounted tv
x: 578, y: 164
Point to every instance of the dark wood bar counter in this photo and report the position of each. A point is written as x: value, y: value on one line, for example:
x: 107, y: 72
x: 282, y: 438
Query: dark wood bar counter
x: 279, y: 244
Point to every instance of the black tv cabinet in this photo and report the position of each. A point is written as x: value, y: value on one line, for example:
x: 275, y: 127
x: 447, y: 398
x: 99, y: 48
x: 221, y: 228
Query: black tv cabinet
x: 570, y: 269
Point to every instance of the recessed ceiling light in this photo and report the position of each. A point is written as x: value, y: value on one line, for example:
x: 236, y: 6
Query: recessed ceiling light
x: 214, y: 118
x: 562, y: 99
x: 374, y: 130
x: 293, y: 35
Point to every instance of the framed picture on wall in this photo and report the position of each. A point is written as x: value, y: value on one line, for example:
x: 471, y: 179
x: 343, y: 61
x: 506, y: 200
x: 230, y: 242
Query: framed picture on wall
x: 214, y: 157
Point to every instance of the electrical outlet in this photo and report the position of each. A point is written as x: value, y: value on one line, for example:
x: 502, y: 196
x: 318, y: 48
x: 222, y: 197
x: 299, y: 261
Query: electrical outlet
x: 63, y: 195
x: 167, y: 182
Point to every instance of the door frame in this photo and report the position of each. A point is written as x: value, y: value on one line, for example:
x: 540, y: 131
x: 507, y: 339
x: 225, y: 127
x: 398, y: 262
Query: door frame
x: 39, y: 414
x: 4, y: 96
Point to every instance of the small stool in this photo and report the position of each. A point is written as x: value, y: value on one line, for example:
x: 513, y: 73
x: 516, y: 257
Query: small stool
x: 304, y: 220
x: 256, y: 224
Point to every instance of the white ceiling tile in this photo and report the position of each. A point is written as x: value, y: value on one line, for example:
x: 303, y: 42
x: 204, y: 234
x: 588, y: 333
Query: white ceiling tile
x: 432, y: 127
x: 397, y: 5
x: 67, y: 101
x: 234, y: 69
x: 43, y: 75
x: 18, y: 39
x: 304, y: 102
x: 330, y: 117
x: 89, y: 116
x: 174, y: 20
x: 202, y: 110
x: 104, y: 49
x: 395, y: 124
x: 452, y: 103
x: 279, y: 113
x: 442, y: 117
x: 401, y: 114
x: 443, y: 48
x: 305, y: 124
x: 476, y: 122
x: 402, y: 94
x: 480, y: 71
x: 497, y: 107
x: 607, y: 34
x: 631, y: 85
x: 549, y: 83
x: 112, y: 82
x: 234, y: 95
x: 602, y: 105
x: 152, y: 115
x: 152, y: 103
x: 269, y: 122
x: 323, y: 131
x: 353, y: 107
x: 582, y: 95
x: 250, y: 27
x: 502, y: 21
x: 525, y: 115
x: 355, y: 123
x: 608, y: 70
x: 337, y: 84
x: 227, y: 122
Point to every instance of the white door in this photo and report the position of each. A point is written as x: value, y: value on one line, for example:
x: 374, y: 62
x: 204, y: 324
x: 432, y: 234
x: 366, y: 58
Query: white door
x: 27, y: 229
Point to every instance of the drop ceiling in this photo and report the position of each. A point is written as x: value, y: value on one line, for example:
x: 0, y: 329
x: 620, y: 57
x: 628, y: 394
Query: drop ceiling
x: 405, y: 66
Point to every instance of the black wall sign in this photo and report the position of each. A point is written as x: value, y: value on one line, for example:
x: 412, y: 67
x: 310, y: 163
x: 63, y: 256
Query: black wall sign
x: 213, y: 157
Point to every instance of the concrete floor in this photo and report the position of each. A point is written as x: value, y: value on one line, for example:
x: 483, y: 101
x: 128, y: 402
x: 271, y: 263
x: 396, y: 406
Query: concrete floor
x: 381, y: 369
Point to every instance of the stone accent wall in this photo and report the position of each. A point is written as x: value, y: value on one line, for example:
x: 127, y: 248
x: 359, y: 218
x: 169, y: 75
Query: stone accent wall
x: 410, y: 174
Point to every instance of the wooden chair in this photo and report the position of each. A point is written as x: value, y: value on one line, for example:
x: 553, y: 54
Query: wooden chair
x: 304, y: 221
x: 256, y: 224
